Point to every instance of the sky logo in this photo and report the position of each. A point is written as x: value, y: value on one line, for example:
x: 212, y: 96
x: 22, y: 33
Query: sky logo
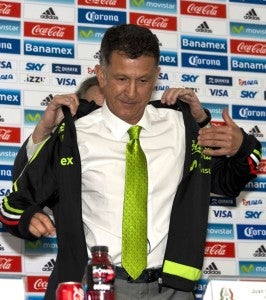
x: 204, y: 44
x: 103, y: 17
x: 10, y: 46
x: 248, y: 65
x: 241, y: 112
x: 251, y: 232
x: 220, y: 231
x: 48, y: 49
x: 201, y: 61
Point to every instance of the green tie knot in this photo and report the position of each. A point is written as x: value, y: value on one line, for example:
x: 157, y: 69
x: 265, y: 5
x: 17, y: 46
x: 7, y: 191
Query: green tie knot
x: 134, y: 132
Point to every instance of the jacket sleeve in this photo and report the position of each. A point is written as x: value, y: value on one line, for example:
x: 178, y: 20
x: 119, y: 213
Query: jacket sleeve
x: 21, y: 161
x: 231, y: 174
x: 33, y: 189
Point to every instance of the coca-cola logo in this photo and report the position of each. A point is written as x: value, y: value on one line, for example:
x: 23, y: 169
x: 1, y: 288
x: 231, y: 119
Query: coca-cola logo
x: 55, y: 31
x: 207, y: 10
x: 40, y: 284
x: 10, y: 9
x: 37, y: 283
x: 9, y: 135
x: 203, y: 9
x: 257, y: 48
x: 262, y: 167
x: 5, y: 9
x: 213, y: 249
x: 101, y: 2
x: 50, y: 31
x: 159, y: 22
x: 154, y: 21
x: 10, y: 264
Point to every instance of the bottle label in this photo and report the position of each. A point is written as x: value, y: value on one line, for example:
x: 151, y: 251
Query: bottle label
x: 103, y: 277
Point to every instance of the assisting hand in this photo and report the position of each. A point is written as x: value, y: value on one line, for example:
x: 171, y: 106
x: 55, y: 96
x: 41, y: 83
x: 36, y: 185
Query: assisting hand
x: 226, y: 140
x: 188, y: 96
x: 41, y: 225
x: 53, y: 115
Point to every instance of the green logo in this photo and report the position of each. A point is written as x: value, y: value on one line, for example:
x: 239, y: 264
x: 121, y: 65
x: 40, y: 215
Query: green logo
x: 238, y: 29
x: 33, y: 118
x: 33, y: 245
x: 86, y: 34
x: 138, y: 2
x: 247, y: 269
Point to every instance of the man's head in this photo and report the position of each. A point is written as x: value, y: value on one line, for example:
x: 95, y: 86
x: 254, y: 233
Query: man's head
x: 128, y: 70
x: 90, y: 90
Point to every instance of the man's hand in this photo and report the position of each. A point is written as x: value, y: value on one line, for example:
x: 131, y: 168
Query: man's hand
x: 188, y: 96
x: 53, y: 115
x: 41, y: 225
x: 226, y: 140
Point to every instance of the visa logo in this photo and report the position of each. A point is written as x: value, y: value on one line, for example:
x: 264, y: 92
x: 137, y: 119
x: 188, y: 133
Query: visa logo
x: 253, y: 214
x: 4, y: 192
x: 219, y: 92
x: 163, y: 76
x: 66, y: 81
x: 189, y: 78
x: 248, y: 94
x: 222, y: 213
x: 34, y: 67
x: 5, y: 65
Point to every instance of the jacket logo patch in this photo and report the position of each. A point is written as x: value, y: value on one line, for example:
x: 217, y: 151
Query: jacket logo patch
x: 66, y: 161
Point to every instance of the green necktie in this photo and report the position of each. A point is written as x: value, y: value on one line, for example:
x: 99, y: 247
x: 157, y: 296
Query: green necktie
x: 134, y: 228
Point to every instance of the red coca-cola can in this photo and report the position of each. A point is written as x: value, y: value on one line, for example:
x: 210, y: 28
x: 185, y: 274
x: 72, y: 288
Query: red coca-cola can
x: 70, y: 291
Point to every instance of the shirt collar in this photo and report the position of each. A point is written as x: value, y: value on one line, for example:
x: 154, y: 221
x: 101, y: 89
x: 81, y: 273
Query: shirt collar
x: 119, y: 127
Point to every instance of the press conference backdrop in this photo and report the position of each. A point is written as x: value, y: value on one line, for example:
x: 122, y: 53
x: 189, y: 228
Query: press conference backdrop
x: 215, y: 47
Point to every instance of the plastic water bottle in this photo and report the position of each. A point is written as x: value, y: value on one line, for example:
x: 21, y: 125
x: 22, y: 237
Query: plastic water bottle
x: 100, y: 275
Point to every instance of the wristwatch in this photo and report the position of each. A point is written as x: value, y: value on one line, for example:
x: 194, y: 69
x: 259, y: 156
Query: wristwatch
x: 207, y: 120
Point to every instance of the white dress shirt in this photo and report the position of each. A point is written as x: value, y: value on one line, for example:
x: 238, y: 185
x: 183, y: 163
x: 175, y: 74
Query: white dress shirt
x: 102, y: 139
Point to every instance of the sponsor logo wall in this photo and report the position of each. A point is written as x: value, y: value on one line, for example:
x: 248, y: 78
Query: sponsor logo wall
x: 215, y: 47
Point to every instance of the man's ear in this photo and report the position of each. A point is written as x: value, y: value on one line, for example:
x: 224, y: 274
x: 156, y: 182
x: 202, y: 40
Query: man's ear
x: 100, y: 75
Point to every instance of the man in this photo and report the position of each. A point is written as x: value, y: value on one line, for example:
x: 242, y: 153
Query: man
x: 79, y: 173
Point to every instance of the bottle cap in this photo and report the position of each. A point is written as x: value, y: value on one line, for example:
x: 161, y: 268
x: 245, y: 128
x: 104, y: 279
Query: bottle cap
x: 99, y: 248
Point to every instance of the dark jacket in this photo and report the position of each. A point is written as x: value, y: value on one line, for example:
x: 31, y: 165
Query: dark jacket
x: 53, y: 178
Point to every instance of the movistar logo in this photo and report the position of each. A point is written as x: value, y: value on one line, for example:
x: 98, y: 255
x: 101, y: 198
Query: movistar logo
x: 33, y: 118
x: 86, y: 34
x: 138, y: 2
x: 238, y: 29
x: 33, y: 245
x: 247, y: 269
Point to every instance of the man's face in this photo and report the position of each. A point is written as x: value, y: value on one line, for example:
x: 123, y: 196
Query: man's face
x: 127, y: 85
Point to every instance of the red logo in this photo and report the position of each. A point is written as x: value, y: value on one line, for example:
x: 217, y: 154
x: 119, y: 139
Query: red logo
x: 203, y: 9
x: 104, y: 3
x: 262, y: 167
x: 49, y: 31
x: 216, y: 249
x: 10, y: 264
x: 248, y: 47
x: 9, y: 135
x: 8, y: 9
x: 37, y: 284
x: 154, y: 21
